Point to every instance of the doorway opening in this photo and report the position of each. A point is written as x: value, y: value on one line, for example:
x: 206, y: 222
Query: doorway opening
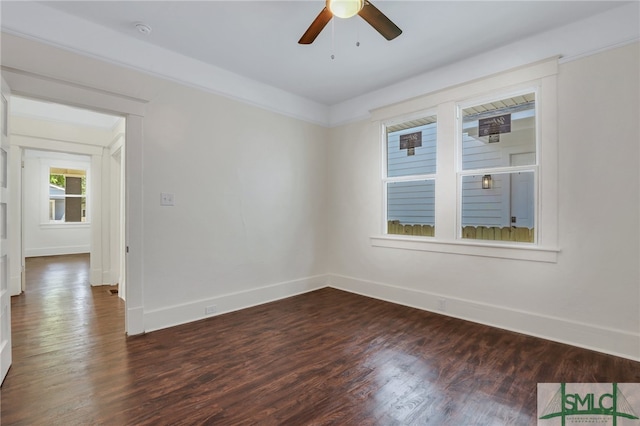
x: 72, y: 187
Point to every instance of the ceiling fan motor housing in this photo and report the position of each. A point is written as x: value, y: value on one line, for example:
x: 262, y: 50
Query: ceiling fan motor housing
x: 345, y: 8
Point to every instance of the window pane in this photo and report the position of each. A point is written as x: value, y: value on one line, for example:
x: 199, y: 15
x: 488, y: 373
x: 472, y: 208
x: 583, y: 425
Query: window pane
x: 67, y: 195
x: 56, y: 196
x: 56, y: 209
x: 411, y: 207
x: 502, y: 209
x: 57, y: 180
x: 411, y: 147
x: 73, y: 209
x: 493, y: 132
x: 73, y: 186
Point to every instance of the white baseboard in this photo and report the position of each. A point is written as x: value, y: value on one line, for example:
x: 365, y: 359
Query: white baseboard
x: 182, y: 314
x: 589, y: 336
x: 55, y: 251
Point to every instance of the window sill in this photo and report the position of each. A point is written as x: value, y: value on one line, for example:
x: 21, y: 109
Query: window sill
x: 485, y: 249
x: 65, y: 225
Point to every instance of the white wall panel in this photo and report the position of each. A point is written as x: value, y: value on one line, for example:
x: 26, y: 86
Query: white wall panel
x: 249, y: 198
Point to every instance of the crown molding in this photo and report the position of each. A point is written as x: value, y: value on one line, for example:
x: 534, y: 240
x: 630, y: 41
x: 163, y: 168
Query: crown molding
x: 34, y: 21
x: 614, y: 28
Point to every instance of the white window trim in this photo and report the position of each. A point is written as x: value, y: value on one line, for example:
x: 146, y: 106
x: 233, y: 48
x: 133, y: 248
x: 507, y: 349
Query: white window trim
x: 541, y: 75
x: 64, y: 225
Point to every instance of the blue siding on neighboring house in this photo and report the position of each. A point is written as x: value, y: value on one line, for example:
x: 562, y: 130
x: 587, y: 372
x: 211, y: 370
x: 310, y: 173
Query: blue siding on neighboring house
x: 497, y: 205
x: 412, y: 202
x: 424, y: 160
x: 477, y: 154
x: 483, y: 207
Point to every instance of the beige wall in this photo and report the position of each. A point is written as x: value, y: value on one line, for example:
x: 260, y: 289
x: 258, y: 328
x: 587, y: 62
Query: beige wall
x: 248, y: 225
x: 267, y: 206
x: 250, y: 194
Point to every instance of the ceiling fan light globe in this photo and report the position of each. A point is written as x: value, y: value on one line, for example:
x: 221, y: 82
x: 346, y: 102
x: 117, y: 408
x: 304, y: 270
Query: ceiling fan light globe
x: 345, y: 8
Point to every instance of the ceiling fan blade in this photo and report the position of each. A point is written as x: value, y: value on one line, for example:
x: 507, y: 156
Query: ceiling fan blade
x: 379, y: 21
x: 316, y: 27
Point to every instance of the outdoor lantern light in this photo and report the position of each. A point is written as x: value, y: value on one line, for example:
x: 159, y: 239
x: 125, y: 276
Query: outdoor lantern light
x: 345, y: 8
x: 486, y: 182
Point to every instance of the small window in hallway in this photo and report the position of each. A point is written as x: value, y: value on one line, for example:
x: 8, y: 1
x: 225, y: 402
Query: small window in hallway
x: 67, y: 195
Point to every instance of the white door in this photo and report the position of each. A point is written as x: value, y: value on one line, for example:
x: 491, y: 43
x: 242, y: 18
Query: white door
x: 5, y: 295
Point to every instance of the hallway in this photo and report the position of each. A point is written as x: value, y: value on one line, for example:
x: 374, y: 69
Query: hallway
x: 62, y: 329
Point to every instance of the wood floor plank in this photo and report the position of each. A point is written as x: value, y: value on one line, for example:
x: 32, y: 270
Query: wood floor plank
x: 325, y: 357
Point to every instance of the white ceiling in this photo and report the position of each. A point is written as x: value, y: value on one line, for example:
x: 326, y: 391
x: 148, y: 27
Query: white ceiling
x: 258, y: 39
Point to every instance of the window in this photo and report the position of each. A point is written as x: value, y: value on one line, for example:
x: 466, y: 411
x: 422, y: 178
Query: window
x: 484, y: 176
x: 498, y: 169
x: 409, y: 180
x: 67, y: 195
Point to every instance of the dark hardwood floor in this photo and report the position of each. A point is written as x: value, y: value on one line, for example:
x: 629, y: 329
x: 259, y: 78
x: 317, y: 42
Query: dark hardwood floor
x: 326, y: 357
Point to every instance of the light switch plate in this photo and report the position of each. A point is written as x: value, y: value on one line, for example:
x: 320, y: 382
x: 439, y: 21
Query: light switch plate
x: 166, y: 199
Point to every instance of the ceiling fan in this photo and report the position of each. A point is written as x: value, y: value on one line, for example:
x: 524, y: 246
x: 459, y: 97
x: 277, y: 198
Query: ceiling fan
x: 347, y: 9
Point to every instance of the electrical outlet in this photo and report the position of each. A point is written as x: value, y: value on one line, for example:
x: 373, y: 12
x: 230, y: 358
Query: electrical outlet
x: 208, y: 310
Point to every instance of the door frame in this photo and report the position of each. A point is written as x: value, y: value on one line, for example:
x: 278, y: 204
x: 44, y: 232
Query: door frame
x: 5, y: 238
x: 54, y: 90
